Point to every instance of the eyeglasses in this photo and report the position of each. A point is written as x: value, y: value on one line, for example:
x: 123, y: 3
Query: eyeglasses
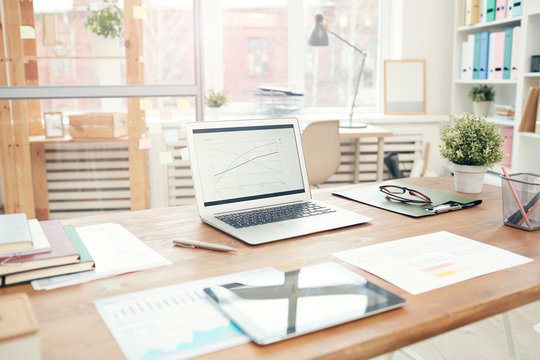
x: 393, y: 192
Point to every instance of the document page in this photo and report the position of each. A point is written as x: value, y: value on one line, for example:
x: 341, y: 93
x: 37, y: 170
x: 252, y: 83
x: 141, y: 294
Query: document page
x: 427, y: 262
x: 115, y: 251
x: 172, y: 322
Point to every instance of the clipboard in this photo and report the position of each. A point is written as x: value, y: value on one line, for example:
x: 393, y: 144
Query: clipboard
x: 444, y: 201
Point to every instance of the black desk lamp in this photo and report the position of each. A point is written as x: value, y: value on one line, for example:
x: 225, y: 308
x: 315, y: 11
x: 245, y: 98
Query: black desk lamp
x: 319, y: 37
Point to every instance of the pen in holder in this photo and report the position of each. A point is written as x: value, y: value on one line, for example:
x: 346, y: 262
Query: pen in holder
x: 521, y: 198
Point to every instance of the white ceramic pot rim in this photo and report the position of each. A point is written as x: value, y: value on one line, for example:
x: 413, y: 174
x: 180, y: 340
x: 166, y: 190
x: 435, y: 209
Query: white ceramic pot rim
x: 475, y: 169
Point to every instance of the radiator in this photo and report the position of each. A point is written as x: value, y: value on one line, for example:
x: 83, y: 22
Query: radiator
x: 87, y: 178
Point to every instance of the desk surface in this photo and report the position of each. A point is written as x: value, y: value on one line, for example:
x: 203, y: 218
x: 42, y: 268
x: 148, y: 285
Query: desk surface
x: 70, y: 326
x: 368, y: 131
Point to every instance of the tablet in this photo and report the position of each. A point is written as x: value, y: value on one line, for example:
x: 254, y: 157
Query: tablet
x: 278, y: 306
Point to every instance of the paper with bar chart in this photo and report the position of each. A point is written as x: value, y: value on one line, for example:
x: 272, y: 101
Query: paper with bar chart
x: 427, y: 262
x: 247, y: 162
x: 172, y: 322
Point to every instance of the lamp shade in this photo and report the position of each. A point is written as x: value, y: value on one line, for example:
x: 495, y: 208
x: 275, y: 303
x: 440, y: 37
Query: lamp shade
x: 318, y: 35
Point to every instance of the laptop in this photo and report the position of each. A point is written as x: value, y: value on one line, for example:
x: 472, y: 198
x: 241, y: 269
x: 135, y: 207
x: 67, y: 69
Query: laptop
x: 250, y: 181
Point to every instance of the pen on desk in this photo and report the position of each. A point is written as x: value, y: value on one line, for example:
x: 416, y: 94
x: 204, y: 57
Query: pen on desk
x: 202, y: 245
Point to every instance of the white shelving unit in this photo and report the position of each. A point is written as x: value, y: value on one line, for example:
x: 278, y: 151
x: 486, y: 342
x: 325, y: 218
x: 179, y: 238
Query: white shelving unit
x: 526, y: 146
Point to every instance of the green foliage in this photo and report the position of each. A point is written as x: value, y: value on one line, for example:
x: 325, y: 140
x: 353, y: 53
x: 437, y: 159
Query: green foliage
x: 482, y: 93
x: 472, y: 140
x: 215, y: 98
x: 106, y: 22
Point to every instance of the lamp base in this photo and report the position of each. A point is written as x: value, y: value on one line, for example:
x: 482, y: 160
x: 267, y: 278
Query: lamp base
x: 355, y: 126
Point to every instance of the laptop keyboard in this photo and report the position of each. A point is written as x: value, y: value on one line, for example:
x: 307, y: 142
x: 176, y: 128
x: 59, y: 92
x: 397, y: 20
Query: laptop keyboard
x: 274, y: 214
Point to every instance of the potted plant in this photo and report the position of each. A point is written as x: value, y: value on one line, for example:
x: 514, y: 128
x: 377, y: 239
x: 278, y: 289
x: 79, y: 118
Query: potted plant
x: 107, y: 21
x: 481, y: 96
x: 471, y: 144
x: 215, y: 98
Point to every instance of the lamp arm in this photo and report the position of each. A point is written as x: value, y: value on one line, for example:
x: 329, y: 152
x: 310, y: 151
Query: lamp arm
x: 356, y: 87
x: 363, y: 52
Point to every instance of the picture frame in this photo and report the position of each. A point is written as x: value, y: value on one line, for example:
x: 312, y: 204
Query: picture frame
x: 405, y: 87
x: 54, y: 124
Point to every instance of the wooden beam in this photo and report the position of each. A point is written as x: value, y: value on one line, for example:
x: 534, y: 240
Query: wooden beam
x: 31, y: 68
x: 19, y: 113
x: 39, y: 173
x: 7, y: 154
x: 138, y: 159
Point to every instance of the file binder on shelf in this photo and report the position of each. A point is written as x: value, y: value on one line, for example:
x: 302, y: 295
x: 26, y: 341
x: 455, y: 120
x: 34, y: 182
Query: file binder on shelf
x: 507, y: 63
x: 491, y: 58
x: 482, y: 16
x: 490, y: 10
x: 499, y: 56
x: 472, y: 12
x: 465, y: 73
x: 515, y: 8
x: 515, y: 52
x: 476, y: 57
x: 500, y: 12
x: 484, y: 51
x: 470, y: 56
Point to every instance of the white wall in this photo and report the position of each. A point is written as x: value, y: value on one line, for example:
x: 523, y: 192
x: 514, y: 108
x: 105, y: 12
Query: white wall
x: 425, y: 31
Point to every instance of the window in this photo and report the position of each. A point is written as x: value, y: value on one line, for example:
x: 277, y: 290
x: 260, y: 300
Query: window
x: 249, y: 44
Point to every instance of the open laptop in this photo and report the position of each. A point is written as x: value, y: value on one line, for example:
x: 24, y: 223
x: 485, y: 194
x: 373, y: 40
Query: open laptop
x: 250, y: 181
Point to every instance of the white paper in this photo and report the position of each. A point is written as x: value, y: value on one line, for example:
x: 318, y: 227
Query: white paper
x: 172, y: 322
x: 115, y: 251
x: 427, y: 262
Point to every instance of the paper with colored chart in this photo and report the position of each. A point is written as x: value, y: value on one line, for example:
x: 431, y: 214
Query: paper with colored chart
x: 172, y: 322
x: 427, y: 262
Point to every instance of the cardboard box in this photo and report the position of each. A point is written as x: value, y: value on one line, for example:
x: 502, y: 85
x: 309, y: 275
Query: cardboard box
x: 18, y: 328
x: 98, y: 125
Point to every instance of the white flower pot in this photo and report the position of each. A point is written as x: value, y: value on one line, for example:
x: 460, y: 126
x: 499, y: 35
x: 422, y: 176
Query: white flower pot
x: 481, y: 108
x: 469, y: 179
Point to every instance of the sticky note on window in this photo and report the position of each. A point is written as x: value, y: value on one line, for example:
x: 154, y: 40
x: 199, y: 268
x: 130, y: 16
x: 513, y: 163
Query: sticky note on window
x: 171, y: 136
x: 184, y: 153
x: 183, y: 105
x: 145, y: 143
x: 165, y: 114
x: 154, y: 128
x: 28, y: 32
x: 145, y: 104
x: 165, y: 157
x: 139, y: 12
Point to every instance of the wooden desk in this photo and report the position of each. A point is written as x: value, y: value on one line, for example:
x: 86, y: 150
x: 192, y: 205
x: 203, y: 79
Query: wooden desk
x: 71, y: 328
x: 369, y: 131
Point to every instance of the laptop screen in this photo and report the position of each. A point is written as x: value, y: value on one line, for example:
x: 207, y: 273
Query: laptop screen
x: 247, y: 163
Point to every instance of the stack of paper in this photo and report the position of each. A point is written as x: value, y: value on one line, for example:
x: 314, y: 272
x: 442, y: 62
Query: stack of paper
x: 114, y: 250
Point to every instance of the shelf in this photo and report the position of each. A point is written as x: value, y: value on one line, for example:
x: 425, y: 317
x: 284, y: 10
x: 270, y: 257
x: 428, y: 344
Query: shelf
x: 502, y: 122
x: 486, y: 81
x: 530, y: 135
x: 532, y: 75
x: 492, y: 24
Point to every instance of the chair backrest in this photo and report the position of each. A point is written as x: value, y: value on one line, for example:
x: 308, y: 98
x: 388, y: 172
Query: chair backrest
x: 322, y: 151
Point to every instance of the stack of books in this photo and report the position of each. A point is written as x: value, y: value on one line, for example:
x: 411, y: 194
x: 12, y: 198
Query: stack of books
x: 506, y: 112
x: 32, y: 249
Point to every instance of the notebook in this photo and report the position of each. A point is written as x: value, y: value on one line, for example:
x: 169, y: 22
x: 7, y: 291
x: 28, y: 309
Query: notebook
x: 248, y: 173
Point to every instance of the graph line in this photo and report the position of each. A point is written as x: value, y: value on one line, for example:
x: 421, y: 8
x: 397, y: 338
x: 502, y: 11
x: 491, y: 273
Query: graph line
x: 230, y: 166
x: 245, y: 162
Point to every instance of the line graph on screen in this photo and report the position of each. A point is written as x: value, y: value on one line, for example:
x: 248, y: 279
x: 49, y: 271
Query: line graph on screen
x: 246, y: 163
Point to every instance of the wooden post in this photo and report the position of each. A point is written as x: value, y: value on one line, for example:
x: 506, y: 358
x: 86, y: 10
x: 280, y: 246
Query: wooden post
x: 31, y: 68
x: 39, y: 172
x: 138, y: 159
x: 17, y: 146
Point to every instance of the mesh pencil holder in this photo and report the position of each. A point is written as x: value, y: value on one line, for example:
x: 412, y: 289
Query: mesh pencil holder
x: 521, y: 200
